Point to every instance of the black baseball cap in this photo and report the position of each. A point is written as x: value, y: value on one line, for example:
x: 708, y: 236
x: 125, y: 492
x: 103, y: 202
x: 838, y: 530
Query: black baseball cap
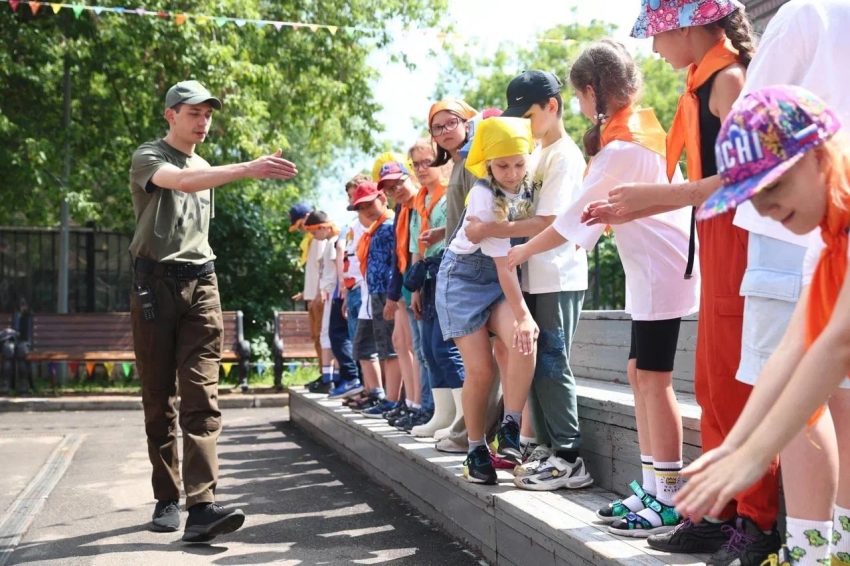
x: 531, y: 87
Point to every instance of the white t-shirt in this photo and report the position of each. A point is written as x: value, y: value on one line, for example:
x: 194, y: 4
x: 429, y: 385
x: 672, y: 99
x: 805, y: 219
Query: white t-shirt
x: 352, y: 236
x: 480, y: 205
x: 803, y: 45
x: 312, y: 268
x: 328, y: 277
x: 560, y: 169
x: 654, y: 250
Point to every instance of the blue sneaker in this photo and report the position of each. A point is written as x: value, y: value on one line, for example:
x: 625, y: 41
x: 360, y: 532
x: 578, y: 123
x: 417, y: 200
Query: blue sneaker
x: 346, y: 389
x: 378, y: 410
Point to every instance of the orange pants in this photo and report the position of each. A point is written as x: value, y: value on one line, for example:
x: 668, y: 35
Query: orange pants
x: 723, y: 259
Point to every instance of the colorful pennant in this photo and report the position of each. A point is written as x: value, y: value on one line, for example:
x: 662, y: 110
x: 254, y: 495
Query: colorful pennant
x: 227, y: 366
x: 182, y: 18
x: 89, y: 368
x: 109, y: 366
x: 125, y: 367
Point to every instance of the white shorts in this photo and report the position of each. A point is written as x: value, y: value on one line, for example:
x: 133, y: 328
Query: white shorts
x: 325, y: 337
x: 771, y: 289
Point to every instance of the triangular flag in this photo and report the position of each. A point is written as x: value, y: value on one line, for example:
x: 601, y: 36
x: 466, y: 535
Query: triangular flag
x: 296, y: 26
x: 227, y: 367
x: 261, y: 23
x: 56, y: 7
x: 277, y: 25
x: 313, y: 27
x: 261, y: 367
x: 125, y: 367
x: 119, y: 10
x: 180, y: 19
x: 34, y: 6
x: 13, y: 4
x: 89, y: 368
x: 240, y: 22
x: 140, y: 11
x: 74, y: 367
x: 220, y: 21
x: 163, y: 15
x: 78, y: 10
x: 109, y: 367
x: 51, y: 368
x: 332, y: 29
x: 98, y: 10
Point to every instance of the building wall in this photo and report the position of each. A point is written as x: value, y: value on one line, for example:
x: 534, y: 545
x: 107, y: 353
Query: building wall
x: 760, y: 11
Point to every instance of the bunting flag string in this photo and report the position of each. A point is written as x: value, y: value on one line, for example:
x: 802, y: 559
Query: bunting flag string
x: 183, y: 18
x: 261, y: 367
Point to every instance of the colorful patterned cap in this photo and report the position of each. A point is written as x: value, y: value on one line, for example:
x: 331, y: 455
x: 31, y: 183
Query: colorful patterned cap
x: 764, y: 135
x: 392, y: 171
x: 658, y: 16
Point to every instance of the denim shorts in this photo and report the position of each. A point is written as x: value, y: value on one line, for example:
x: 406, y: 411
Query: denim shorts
x: 467, y: 288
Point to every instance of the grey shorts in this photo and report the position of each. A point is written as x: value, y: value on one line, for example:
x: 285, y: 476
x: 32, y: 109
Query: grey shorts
x: 374, y: 337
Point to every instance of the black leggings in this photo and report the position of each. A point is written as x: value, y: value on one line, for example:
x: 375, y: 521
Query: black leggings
x: 654, y: 343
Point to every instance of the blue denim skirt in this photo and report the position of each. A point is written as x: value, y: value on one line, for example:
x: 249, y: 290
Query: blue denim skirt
x: 467, y: 288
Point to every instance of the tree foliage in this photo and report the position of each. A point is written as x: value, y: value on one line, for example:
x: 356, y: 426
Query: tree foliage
x: 306, y: 92
x: 482, y: 83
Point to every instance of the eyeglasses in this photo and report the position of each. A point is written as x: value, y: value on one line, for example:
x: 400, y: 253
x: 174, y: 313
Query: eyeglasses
x: 422, y: 164
x: 450, y: 126
x: 392, y: 187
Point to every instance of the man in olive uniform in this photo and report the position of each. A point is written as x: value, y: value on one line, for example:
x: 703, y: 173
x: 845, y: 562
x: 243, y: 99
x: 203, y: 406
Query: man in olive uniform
x: 176, y: 310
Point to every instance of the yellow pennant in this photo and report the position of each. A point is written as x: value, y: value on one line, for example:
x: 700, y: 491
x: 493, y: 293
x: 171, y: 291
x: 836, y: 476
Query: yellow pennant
x: 332, y: 29
x: 313, y: 27
x: 56, y: 7
x: 109, y: 367
x: 227, y: 367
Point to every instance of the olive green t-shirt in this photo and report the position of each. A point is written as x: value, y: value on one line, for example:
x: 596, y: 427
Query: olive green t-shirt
x: 459, y: 185
x: 171, y: 226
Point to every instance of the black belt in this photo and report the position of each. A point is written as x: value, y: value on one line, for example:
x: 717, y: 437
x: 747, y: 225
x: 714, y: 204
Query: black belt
x: 174, y: 270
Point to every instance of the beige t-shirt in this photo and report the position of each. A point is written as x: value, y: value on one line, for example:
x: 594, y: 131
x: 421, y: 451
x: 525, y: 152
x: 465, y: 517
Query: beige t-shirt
x: 171, y: 226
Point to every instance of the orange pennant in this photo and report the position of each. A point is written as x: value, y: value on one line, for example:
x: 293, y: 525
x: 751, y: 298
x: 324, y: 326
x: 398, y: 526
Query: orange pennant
x: 180, y: 19
x: 89, y: 368
x: 34, y: 6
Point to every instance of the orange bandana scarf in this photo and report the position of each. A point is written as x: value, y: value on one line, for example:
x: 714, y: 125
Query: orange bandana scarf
x: 402, y: 237
x: 636, y: 126
x: 684, y: 132
x: 315, y: 227
x: 425, y: 211
x: 832, y: 266
x: 366, y: 239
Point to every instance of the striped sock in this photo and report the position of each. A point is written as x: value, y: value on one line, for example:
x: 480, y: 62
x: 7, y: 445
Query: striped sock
x: 667, y: 481
x: 633, y: 502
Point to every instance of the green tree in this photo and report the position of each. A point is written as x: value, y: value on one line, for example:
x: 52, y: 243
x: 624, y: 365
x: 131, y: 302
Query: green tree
x: 482, y: 83
x: 304, y: 91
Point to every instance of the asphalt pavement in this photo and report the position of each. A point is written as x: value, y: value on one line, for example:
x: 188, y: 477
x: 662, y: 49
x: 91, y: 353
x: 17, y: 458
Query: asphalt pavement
x: 75, y: 490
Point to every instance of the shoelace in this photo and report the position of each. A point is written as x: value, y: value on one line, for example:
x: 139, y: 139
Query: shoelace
x: 738, y: 539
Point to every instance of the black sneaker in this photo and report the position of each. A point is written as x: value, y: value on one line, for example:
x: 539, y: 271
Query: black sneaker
x: 209, y: 520
x: 313, y: 385
x: 478, y: 468
x: 748, y: 545
x: 323, y: 388
x: 507, y: 442
x: 166, y: 517
x: 693, y: 538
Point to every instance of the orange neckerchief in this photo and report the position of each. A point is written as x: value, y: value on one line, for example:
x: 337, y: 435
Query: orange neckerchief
x: 832, y: 266
x: 402, y: 236
x: 314, y: 227
x: 366, y: 239
x: 425, y: 211
x: 684, y: 132
x: 636, y: 126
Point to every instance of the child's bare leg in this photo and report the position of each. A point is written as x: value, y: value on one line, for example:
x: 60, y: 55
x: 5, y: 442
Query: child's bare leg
x: 476, y: 352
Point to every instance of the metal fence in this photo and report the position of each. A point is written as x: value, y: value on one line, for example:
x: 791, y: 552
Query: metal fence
x: 100, y: 272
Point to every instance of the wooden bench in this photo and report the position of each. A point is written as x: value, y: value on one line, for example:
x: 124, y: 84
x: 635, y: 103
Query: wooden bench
x: 292, y: 340
x: 108, y: 337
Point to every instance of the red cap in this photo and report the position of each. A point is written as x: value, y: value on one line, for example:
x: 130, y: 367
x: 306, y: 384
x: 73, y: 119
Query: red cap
x: 365, y: 192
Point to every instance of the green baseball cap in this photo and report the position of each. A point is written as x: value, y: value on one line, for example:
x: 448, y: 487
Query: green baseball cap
x: 190, y: 92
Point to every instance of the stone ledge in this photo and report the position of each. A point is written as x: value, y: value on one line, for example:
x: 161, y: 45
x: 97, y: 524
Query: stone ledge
x: 507, y: 525
x: 128, y: 403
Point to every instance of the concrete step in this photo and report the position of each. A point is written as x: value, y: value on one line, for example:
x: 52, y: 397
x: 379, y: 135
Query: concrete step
x: 509, y: 526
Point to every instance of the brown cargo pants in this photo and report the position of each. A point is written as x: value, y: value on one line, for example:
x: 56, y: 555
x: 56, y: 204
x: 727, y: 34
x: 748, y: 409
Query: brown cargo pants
x: 180, y: 350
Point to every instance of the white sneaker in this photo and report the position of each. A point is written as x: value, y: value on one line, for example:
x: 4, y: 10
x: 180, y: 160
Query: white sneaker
x: 555, y: 473
x: 540, y: 453
x: 450, y: 446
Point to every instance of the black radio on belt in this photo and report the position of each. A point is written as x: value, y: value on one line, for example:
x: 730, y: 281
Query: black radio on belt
x: 147, y: 302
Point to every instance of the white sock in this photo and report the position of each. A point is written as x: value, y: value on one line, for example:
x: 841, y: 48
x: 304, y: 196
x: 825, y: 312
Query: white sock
x: 841, y: 531
x: 648, y: 471
x: 808, y: 541
x: 667, y: 481
x: 329, y: 369
x: 526, y: 440
x: 633, y: 502
x: 416, y: 406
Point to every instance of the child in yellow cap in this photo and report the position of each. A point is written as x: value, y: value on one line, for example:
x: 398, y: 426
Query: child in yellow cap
x: 472, y: 286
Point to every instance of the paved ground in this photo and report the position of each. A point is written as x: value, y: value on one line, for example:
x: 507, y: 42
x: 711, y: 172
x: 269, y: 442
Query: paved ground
x: 304, y: 505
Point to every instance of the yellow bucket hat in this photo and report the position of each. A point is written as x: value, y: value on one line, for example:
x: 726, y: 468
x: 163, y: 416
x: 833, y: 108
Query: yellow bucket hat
x: 498, y: 137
